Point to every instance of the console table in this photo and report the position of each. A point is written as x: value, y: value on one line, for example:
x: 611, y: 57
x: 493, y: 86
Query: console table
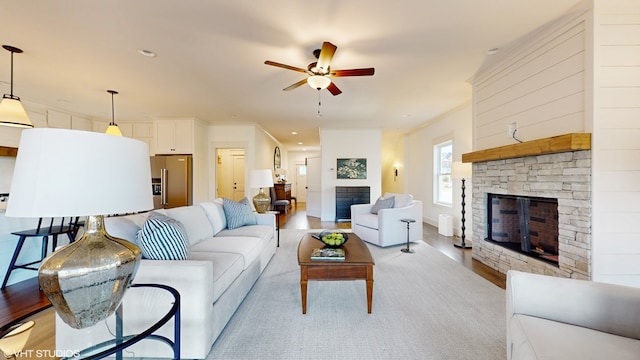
x: 283, y: 192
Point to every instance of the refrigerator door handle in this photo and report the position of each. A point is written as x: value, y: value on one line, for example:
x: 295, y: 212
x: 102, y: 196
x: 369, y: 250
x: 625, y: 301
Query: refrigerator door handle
x: 163, y: 182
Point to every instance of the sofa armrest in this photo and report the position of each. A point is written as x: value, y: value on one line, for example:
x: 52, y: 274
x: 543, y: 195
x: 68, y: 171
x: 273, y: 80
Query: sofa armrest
x: 389, y: 224
x: 604, y: 307
x: 266, y: 219
x: 192, y: 279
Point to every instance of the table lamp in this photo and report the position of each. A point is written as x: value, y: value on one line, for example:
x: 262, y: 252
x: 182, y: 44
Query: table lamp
x: 69, y: 173
x: 261, y: 179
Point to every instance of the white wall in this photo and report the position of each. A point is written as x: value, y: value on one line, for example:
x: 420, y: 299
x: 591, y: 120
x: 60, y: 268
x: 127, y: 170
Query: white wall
x: 393, y: 156
x: 537, y: 82
x: 616, y: 149
x: 455, y: 125
x: 348, y: 143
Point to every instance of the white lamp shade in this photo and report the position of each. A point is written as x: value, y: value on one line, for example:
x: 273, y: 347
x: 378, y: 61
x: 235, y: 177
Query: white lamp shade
x: 62, y: 172
x: 318, y: 82
x: 460, y: 170
x: 262, y: 178
x: 13, y: 114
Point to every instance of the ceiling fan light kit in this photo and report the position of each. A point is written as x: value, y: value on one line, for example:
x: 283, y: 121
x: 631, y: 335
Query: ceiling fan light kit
x: 320, y: 72
x: 318, y: 82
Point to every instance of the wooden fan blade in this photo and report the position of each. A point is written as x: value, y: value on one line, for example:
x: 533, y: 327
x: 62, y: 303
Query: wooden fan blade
x: 333, y: 89
x: 353, y: 72
x: 272, y: 63
x: 298, y: 84
x: 326, y: 54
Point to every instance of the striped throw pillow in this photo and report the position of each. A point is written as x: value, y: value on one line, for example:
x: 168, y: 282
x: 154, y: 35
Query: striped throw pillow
x: 163, y: 238
x: 238, y: 214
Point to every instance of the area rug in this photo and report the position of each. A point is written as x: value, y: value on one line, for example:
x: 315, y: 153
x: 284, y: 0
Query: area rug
x: 425, y: 306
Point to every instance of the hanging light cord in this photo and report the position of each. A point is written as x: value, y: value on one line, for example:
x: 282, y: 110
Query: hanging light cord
x: 11, y: 88
x: 319, y: 104
x: 12, y: 50
x: 113, y: 121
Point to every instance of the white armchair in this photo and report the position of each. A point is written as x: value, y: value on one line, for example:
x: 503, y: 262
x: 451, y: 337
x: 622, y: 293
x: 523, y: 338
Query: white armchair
x: 385, y: 228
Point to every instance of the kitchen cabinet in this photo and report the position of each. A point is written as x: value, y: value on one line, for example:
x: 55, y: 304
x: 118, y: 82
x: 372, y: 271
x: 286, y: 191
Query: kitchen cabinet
x: 78, y: 123
x: 60, y: 120
x: 173, y: 136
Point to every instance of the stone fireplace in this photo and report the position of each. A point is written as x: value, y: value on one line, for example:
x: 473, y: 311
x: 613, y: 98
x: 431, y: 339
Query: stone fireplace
x: 564, y: 177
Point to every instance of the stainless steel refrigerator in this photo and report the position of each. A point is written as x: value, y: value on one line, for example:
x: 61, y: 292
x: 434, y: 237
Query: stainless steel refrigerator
x: 171, y: 181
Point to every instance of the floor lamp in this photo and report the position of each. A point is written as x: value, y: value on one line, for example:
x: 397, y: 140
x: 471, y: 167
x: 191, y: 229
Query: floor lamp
x: 462, y: 170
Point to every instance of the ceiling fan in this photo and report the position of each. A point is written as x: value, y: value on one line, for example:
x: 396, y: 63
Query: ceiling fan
x: 320, y: 72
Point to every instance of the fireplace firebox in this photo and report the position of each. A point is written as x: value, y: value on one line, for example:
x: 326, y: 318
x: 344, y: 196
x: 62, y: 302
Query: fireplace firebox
x: 528, y: 225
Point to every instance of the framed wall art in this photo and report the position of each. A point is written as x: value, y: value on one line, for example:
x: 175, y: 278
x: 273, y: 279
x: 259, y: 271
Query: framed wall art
x: 355, y: 168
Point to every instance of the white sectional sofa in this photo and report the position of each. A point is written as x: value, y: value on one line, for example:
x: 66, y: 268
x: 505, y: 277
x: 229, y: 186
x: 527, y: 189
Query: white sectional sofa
x: 220, y: 270
x: 558, y: 318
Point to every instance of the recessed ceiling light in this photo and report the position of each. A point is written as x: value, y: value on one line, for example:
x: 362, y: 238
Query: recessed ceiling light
x: 493, y: 51
x: 300, y: 143
x: 147, y: 53
x: 294, y: 133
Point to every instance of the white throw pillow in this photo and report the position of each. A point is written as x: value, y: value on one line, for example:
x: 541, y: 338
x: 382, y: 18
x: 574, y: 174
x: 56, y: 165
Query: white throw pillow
x: 401, y: 200
x: 215, y: 214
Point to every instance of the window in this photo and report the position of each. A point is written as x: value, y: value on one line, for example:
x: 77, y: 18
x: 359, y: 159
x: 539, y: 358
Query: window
x: 443, y: 183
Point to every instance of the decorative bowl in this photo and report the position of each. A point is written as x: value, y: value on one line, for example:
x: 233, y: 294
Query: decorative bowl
x: 333, y: 238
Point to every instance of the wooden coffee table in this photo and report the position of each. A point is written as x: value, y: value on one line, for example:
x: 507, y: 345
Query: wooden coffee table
x: 358, y: 265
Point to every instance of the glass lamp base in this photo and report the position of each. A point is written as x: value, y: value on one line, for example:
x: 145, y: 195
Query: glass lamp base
x: 262, y: 202
x: 86, y: 280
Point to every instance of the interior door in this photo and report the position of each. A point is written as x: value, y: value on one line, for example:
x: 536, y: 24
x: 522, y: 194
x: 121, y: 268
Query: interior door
x: 230, y: 173
x: 300, y: 183
x: 238, y: 176
x: 314, y: 187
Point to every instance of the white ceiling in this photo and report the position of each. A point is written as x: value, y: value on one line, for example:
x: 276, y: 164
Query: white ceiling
x: 210, y: 58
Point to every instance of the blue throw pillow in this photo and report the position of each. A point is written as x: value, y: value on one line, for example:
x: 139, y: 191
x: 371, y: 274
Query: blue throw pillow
x: 163, y: 238
x: 238, y: 214
x: 382, y: 203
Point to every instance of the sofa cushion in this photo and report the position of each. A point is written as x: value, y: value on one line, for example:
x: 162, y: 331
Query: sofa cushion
x: 238, y: 214
x: 194, y: 220
x: 537, y: 338
x: 226, y: 268
x: 247, y: 246
x: 400, y: 200
x: 163, y: 238
x: 215, y: 214
x: 263, y: 232
x: 382, y: 203
x: 367, y: 220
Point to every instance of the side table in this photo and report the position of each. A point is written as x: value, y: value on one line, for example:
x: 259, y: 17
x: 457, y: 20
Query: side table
x: 407, y: 249
x: 121, y: 342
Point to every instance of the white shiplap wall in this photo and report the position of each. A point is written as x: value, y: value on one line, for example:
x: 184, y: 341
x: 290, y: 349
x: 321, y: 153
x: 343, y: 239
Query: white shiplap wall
x: 539, y: 84
x: 616, y: 144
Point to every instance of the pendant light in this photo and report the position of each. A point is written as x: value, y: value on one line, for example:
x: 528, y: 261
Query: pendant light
x: 113, y: 128
x: 11, y: 111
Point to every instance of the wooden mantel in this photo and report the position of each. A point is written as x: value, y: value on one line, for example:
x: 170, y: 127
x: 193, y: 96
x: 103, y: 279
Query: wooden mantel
x: 550, y: 145
x: 8, y: 151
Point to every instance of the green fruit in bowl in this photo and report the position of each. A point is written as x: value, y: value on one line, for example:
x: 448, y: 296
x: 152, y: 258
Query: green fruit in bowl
x: 333, y: 238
